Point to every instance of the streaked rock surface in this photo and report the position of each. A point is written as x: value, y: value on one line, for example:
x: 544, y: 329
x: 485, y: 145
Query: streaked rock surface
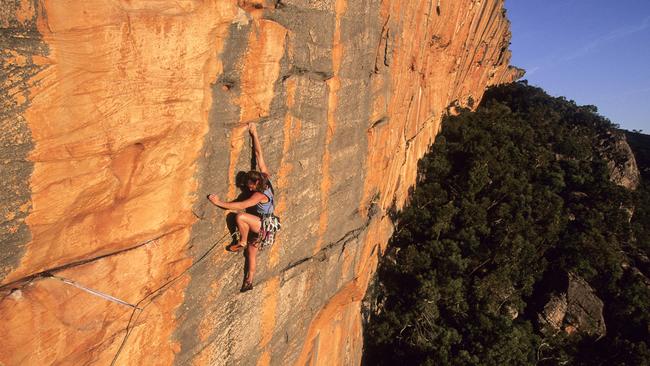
x: 120, y: 116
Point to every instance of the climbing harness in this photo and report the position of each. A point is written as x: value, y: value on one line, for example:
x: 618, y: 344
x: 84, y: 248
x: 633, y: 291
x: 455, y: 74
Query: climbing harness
x: 270, y: 226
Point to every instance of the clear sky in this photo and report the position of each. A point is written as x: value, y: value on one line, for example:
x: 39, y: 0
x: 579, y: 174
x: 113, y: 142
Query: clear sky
x: 591, y: 51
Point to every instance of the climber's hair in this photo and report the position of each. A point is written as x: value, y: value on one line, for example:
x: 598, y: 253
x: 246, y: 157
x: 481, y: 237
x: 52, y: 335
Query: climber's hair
x: 262, y: 181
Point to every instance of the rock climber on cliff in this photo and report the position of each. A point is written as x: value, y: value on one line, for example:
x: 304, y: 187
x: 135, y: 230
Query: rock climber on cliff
x: 262, y: 222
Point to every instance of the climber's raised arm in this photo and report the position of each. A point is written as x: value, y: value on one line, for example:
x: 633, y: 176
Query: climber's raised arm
x: 257, y: 147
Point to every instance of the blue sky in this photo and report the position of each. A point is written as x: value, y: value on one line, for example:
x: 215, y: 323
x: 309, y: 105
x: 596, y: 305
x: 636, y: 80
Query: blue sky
x: 592, y: 51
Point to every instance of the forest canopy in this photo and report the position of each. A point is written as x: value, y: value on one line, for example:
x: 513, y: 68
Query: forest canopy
x: 513, y: 202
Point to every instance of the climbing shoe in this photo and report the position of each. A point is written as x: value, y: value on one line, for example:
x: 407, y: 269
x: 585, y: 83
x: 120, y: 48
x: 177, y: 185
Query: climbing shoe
x: 247, y: 286
x: 235, y: 248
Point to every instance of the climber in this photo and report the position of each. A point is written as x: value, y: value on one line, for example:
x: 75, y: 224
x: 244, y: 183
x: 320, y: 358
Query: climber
x: 258, y: 183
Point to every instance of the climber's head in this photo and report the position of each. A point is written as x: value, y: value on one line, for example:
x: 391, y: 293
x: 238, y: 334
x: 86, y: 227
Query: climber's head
x: 256, y: 181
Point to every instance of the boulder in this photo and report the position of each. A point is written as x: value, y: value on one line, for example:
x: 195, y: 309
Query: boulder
x: 576, y: 310
x: 621, y: 162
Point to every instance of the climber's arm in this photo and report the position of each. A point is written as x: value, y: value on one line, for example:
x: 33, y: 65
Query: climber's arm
x: 251, y: 201
x: 258, y: 149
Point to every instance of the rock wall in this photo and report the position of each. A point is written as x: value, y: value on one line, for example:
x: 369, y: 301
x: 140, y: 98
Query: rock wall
x: 120, y: 116
x: 621, y: 161
x: 574, y: 309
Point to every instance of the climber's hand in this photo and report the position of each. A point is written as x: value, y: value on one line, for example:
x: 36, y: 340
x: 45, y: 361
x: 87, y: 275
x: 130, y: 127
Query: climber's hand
x: 214, y: 198
x: 252, y: 129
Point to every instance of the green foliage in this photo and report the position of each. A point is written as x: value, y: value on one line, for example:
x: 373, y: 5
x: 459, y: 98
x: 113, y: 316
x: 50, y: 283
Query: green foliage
x: 507, y: 196
x: 640, y: 144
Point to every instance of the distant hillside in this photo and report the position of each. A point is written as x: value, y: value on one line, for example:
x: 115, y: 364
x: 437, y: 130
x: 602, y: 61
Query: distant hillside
x: 640, y: 144
x: 524, y: 243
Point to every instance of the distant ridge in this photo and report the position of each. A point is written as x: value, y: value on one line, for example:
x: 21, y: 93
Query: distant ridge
x: 640, y: 144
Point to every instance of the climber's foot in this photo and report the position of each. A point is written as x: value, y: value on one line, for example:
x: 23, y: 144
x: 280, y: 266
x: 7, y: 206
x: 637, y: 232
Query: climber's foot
x: 235, y: 248
x: 247, y: 286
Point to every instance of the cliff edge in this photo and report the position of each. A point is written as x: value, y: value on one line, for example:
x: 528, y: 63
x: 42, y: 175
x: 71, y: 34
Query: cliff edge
x: 120, y: 116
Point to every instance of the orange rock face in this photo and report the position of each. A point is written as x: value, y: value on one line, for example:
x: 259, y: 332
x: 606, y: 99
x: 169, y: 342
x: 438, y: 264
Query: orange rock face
x: 120, y: 116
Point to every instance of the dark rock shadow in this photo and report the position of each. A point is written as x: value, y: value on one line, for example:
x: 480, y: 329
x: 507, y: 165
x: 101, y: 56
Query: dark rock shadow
x: 244, y: 193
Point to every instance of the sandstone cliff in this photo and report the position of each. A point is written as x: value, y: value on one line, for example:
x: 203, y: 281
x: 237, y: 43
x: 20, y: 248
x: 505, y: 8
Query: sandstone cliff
x: 118, y: 118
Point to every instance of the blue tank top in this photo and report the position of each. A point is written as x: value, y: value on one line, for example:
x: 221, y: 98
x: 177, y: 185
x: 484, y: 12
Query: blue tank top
x: 265, y: 208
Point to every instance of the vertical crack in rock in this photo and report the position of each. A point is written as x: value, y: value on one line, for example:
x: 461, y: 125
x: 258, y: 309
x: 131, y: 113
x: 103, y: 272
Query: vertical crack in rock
x: 333, y: 85
x: 213, y: 167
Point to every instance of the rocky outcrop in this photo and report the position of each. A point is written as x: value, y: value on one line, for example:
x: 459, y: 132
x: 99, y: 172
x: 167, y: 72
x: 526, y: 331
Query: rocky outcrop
x: 621, y: 162
x: 639, y: 143
x: 577, y: 310
x: 119, y: 117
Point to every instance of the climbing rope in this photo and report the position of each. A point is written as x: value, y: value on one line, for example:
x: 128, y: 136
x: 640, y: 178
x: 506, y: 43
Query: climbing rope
x: 141, y: 305
x: 89, y: 290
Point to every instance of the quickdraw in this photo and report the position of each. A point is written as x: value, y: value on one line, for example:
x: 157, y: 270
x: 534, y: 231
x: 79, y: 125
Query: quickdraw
x: 270, y: 226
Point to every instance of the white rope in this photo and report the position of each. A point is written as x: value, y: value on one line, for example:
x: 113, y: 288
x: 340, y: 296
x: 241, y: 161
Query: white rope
x: 93, y: 292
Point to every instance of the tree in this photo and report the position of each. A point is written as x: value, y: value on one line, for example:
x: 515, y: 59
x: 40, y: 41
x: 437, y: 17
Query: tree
x: 506, y: 196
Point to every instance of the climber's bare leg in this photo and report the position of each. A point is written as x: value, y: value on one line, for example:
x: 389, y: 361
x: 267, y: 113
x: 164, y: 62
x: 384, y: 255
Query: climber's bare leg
x: 252, y: 262
x: 246, y: 223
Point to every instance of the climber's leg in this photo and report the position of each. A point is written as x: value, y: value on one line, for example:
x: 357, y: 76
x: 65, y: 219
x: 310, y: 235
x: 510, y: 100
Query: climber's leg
x: 246, y: 223
x: 252, y: 262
